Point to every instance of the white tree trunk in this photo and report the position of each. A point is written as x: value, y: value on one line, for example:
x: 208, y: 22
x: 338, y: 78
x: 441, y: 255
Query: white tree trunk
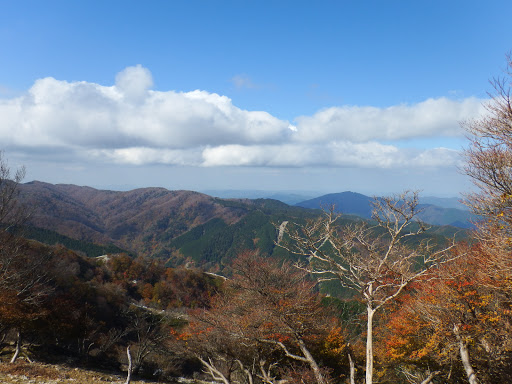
x: 352, y: 368
x: 266, y: 375
x: 215, y: 373
x: 129, y: 355
x: 430, y: 377
x: 18, y: 347
x: 248, y: 373
x: 464, y: 356
x: 312, y: 363
x: 369, y: 345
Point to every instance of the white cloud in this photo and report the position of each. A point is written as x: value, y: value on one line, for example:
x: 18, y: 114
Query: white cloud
x: 142, y: 155
x: 284, y: 155
x: 128, y: 123
x: 60, y: 113
x: 134, y: 82
x: 437, y: 157
x: 433, y: 117
x: 337, y: 154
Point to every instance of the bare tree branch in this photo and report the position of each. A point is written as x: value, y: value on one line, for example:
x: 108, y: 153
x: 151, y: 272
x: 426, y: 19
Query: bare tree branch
x: 376, y: 261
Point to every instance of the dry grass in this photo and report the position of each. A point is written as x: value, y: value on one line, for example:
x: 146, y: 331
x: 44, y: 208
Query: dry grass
x: 36, y: 373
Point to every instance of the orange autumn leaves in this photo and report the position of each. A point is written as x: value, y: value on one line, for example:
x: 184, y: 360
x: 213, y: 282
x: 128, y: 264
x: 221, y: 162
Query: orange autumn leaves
x: 468, y: 295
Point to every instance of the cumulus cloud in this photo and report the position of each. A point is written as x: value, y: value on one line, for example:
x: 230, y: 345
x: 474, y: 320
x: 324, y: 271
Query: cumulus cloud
x: 129, y: 123
x: 54, y: 113
x: 433, y: 117
x: 134, y: 82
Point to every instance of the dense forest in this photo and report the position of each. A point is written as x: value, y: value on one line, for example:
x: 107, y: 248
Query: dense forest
x: 319, y: 299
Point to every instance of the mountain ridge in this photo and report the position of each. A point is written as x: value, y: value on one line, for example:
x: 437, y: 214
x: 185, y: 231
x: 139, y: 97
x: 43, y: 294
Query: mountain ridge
x: 180, y: 227
x: 111, y: 216
x: 358, y: 204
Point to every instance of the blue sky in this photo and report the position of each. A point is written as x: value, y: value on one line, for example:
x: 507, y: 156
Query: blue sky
x: 274, y: 95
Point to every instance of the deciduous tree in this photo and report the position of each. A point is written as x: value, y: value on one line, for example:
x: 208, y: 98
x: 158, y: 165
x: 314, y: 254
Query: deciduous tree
x: 375, y: 261
x: 149, y: 333
x: 460, y: 314
x: 269, y: 316
x: 23, y: 272
x: 489, y: 155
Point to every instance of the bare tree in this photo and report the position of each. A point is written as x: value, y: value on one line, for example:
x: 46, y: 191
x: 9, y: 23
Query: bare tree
x: 11, y: 213
x: 23, y: 276
x: 376, y: 261
x: 489, y: 164
x: 489, y: 155
x: 149, y: 331
x: 268, y: 316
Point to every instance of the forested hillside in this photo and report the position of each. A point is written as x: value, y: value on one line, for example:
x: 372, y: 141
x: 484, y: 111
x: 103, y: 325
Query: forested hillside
x: 140, y: 221
x: 178, y: 227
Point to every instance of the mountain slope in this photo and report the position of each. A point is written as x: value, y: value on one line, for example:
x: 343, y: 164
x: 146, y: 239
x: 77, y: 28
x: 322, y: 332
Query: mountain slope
x: 350, y: 203
x: 360, y: 205
x: 181, y: 227
x: 148, y: 221
x: 131, y: 220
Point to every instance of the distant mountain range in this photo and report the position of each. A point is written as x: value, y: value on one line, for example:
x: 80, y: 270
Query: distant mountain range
x: 181, y: 227
x: 444, y: 212
x: 293, y: 197
x: 288, y: 197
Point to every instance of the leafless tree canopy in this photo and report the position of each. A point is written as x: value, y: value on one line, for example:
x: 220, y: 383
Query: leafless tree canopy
x: 11, y: 213
x: 269, y: 315
x: 23, y: 277
x: 375, y: 260
x: 489, y: 155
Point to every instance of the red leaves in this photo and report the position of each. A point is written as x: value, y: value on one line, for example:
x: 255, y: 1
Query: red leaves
x: 267, y: 310
x: 278, y: 337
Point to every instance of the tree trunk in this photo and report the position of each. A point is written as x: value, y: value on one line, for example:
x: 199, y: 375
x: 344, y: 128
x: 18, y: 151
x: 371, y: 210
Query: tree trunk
x: 129, y: 375
x: 312, y: 363
x: 464, y: 356
x: 430, y: 377
x: 265, y: 374
x: 246, y: 371
x: 18, y: 347
x: 369, y: 345
x: 215, y: 374
x: 352, y: 367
